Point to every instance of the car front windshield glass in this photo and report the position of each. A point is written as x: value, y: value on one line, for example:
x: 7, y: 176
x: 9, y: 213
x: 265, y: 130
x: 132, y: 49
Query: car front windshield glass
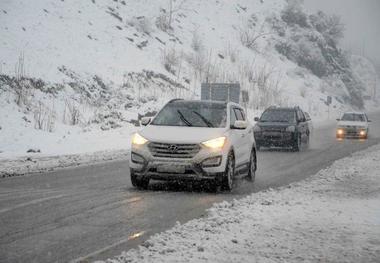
x: 353, y: 117
x: 192, y: 114
x: 278, y: 116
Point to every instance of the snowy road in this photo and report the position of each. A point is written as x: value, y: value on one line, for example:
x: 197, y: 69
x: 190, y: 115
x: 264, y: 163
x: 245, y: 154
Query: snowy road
x: 93, y: 212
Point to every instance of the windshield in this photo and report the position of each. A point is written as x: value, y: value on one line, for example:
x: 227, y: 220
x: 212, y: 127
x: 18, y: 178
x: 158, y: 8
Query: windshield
x: 278, y: 116
x: 192, y: 114
x: 353, y: 117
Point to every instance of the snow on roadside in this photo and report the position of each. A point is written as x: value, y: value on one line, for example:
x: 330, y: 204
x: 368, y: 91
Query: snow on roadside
x: 333, y: 216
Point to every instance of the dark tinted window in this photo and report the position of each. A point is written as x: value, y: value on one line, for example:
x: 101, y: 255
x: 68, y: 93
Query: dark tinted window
x: 278, y: 115
x: 194, y: 114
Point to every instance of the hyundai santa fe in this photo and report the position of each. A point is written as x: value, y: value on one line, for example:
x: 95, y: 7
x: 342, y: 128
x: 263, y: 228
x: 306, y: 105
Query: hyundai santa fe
x: 194, y: 140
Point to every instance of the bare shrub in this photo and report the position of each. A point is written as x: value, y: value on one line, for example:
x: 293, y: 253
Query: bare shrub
x: 71, y: 113
x: 170, y: 59
x: 44, y: 117
x: 19, y: 87
x: 198, y: 61
x: 249, y: 36
x: 162, y: 22
x: 196, y: 42
x: 165, y: 19
x: 263, y: 85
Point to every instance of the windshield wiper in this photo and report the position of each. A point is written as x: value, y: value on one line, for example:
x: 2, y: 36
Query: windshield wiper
x: 208, y: 123
x: 183, y: 118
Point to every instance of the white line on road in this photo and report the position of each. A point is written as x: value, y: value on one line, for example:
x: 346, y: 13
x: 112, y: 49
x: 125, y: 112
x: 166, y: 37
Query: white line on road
x: 100, y: 251
x: 33, y: 202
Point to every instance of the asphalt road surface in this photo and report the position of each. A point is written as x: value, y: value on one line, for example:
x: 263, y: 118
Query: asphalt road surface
x: 93, y: 212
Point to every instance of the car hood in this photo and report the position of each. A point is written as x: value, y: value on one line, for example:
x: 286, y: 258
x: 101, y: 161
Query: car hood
x: 175, y: 134
x: 353, y: 123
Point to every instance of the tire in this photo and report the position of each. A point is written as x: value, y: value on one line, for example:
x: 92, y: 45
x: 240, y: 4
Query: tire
x: 258, y: 146
x: 252, y: 166
x: 229, y: 173
x: 297, y: 144
x: 139, y: 183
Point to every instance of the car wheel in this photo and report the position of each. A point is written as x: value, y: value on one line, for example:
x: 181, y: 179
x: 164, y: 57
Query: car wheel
x: 308, y: 140
x: 229, y: 174
x: 297, y: 144
x: 258, y: 146
x: 139, y: 183
x: 252, y: 166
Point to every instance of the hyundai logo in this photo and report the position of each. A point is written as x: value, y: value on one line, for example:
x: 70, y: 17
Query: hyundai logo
x: 173, y: 148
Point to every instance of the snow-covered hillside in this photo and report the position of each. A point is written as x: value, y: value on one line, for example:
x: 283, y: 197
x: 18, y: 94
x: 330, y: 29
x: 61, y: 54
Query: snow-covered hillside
x: 72, y: 67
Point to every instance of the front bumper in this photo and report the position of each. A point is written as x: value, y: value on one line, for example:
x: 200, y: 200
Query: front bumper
x: 356, y: 133
x: 178, y: 169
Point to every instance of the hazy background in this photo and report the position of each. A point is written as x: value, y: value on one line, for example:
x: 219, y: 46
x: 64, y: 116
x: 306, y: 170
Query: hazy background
x: 362, y: 20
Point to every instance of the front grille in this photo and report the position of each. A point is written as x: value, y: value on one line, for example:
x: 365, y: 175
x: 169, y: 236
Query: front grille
x: 274, y: 129
x: 173, y: 150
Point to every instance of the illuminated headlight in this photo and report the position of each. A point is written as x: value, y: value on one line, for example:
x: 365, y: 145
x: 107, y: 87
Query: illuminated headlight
x: 363, y: 133
x: 136, y: 158
x: 212, y: 162
x: 137, y: 139
x: 215, y: 143
x: 340, y: 131
x: 257, y: 128
x: 291, y: 129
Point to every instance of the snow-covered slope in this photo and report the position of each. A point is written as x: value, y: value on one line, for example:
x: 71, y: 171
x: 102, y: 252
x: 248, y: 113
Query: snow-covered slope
x: 84, y: 65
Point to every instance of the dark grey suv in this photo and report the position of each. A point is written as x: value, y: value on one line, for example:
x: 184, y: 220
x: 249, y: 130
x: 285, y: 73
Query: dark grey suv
x: 282, y: 127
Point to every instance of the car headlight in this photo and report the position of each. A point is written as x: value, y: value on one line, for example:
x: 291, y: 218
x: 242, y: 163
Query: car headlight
x: 137, y: 139
x: 340, y: 131
x: 362, y: 132
x: 215, y: 143
x: 256, y: 128
x: 291, y: 129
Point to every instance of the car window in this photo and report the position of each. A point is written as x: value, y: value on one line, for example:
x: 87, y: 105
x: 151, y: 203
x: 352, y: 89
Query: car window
x: 353, y: 117
x: 300, y: 116
x: 307, y: 116
x: 278, y: 115
x: 193, y: 114
x: 243, y: 114
x: 239, y: 115
x: 233, y: 116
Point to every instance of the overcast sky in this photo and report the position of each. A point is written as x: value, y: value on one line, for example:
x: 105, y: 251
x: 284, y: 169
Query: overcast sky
x: 362, y: 20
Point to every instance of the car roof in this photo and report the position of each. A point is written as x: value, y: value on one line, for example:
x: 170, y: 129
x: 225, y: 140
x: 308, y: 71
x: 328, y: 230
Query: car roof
x: 181, y: 101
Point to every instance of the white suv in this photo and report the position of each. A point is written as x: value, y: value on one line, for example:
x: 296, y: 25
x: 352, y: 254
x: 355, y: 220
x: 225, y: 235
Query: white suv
x: 194, y: 140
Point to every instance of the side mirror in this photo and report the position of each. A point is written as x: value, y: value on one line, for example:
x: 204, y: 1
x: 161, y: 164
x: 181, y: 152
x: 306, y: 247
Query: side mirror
x: 369, y: 120
x: 338, y: 119
x: 240, y: 125
x: 256, y: 119
x: 145, y: 121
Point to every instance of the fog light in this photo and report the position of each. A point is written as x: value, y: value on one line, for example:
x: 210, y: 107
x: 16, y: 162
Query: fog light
x: 212, y: 162
x: 137, y: 158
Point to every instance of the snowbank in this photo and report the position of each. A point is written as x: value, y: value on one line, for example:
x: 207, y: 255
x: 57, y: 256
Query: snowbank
x: 331, y: 217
